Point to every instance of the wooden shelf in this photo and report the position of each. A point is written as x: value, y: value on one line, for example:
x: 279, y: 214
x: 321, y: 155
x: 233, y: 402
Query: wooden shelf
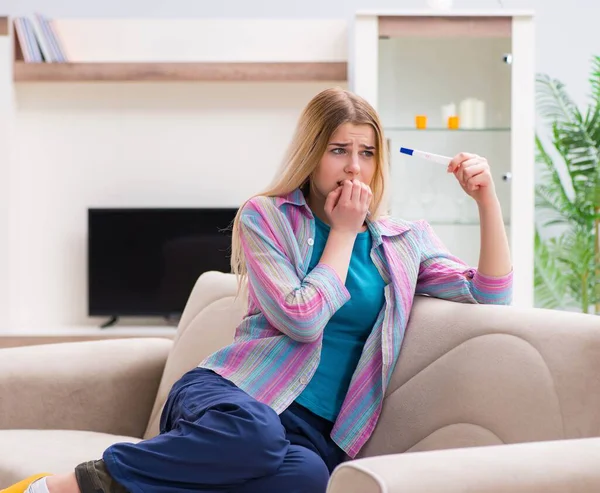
x: 442, y: 26
x: 174, y: 72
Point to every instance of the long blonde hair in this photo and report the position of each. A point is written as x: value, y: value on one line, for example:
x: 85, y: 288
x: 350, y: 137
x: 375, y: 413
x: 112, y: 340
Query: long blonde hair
x: 321, y: 117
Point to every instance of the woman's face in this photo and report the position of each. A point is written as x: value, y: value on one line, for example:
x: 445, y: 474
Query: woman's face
x: 350, y: 155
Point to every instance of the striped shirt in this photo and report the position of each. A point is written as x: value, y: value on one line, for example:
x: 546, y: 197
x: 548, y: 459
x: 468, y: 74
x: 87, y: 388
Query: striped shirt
x: 277, y: 345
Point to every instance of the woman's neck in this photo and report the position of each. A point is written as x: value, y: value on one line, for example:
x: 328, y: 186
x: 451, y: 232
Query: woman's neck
x: 317, y: 206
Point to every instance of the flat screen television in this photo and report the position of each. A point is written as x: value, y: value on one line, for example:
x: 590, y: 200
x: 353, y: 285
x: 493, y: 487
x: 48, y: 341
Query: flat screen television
x: 143, y: 262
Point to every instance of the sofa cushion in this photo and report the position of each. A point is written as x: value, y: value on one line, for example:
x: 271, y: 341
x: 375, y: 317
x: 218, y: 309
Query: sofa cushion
x: 27, y: 452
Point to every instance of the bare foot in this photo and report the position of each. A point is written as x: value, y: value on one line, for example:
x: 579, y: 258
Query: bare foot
x: 62, y: 483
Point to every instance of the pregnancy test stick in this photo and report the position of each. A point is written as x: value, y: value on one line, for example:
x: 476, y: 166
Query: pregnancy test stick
x: 436, y: 158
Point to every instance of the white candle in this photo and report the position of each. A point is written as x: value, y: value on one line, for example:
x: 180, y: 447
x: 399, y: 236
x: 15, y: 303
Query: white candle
x: 466, y: 113
x: 479, y: 114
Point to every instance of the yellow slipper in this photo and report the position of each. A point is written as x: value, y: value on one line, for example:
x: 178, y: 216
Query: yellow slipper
x: 21, y: 486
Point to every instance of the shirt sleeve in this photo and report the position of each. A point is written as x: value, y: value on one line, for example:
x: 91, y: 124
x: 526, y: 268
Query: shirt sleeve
x: 300, y: 308
x: 442, y: 275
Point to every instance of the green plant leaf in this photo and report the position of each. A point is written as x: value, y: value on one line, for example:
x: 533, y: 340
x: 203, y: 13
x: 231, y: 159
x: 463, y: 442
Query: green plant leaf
x: 566, y: 269
x: 553, y: 102
x: 551, y: 283
x: 595, y: 78
x: 551, y: 196
x: 576, y: 138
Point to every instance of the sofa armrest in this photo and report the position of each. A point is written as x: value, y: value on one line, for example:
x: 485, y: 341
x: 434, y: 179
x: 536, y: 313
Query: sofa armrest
x: 104, y: 386
x: 551, y: 467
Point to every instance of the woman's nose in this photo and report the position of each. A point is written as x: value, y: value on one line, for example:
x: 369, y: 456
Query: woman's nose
x: 353, y: 166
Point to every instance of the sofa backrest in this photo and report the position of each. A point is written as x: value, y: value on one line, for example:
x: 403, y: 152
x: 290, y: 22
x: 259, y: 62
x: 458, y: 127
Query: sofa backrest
x: 476, y: 375
x: 468, y: 375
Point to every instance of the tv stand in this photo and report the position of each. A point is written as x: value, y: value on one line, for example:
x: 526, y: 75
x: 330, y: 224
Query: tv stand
x: 173, y: 319
x: 109, y: 323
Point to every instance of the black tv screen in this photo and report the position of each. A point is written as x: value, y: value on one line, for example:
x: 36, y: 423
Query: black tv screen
x: 145, y: 261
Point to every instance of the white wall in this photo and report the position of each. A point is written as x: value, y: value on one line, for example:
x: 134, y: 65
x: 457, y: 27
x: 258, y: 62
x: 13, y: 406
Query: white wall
x: 182, y: 148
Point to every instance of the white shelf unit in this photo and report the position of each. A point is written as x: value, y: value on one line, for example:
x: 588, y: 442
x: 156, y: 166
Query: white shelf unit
x: 142, y: 116
x: 47, y: 335
x: 94, y: 331
x: 409, y: 63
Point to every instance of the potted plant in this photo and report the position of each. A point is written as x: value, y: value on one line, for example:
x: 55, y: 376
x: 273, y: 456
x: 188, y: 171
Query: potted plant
x: 567, y: 241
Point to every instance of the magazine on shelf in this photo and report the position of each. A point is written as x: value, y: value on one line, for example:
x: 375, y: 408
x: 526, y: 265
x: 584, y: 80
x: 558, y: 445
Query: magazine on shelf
x: 38, y: 40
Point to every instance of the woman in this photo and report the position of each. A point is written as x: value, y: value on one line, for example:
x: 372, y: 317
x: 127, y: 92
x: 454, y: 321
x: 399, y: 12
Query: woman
x: 330, y: 282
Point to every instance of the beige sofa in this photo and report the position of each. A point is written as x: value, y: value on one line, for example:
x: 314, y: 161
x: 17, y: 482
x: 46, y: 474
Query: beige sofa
x: 484, y: 398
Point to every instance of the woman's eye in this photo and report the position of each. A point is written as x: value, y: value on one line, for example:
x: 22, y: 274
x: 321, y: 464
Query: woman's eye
x: 341, y: 150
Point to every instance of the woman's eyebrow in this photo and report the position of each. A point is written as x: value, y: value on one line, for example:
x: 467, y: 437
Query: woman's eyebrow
x: 342, y: 144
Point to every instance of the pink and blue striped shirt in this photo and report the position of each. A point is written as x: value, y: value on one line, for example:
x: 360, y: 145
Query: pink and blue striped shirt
x: 277, y: 345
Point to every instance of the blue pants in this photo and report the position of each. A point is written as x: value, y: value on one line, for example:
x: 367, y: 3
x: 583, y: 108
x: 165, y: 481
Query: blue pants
x: 216, y: 438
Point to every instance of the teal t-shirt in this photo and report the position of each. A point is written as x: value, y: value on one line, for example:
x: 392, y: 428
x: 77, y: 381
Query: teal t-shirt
x: 347, y: 331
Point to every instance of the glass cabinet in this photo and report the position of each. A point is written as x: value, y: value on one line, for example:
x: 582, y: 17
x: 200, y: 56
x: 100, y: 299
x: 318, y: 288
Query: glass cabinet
x: 446, y: 83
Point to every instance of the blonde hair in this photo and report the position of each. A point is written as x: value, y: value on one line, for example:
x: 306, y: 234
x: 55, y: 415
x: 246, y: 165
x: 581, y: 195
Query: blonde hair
x: 321, y: 117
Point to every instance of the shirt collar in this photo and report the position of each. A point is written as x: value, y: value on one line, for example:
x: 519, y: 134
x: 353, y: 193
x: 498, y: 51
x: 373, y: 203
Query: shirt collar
x: 295, y: 197
x: 387, y: 226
